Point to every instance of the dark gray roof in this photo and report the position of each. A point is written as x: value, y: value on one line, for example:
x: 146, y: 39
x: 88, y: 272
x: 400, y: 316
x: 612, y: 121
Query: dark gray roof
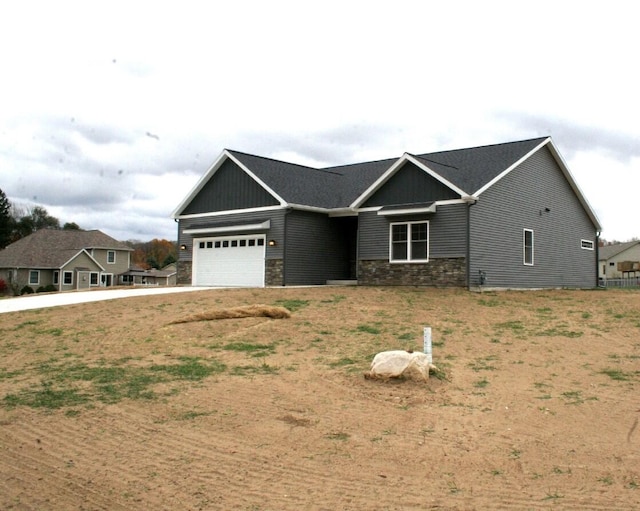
x: 51, y: 248
x: 338, y: 187
x: 471, y: 169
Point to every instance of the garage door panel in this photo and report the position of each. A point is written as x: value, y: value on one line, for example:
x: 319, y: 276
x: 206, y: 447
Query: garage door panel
x: 229, y: 261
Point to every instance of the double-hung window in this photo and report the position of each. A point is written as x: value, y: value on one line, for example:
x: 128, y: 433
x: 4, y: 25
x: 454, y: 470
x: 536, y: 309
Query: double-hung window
x: 409, y: 242
x: 527, y: 241
x: 111, y: 256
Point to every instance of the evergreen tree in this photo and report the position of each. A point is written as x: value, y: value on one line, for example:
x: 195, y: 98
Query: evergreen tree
x: 6, y: 220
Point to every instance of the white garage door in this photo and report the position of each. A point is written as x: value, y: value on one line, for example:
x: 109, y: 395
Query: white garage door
x: 229, y: 261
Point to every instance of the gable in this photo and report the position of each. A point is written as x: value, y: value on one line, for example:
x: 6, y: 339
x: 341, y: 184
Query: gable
x: 410, y: 185
x: 229, y: 188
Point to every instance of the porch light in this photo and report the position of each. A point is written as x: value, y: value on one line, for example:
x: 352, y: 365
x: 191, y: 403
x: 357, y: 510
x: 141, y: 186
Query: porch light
x: 272, y: 243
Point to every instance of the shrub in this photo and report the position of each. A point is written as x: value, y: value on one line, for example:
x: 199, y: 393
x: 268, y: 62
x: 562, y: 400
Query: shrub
x: 46, y: 289
x: 3, y: 286
x: 26, y: 290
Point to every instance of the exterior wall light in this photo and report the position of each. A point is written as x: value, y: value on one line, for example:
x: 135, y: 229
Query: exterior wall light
x: 272, y: 243
x: 183, y: 247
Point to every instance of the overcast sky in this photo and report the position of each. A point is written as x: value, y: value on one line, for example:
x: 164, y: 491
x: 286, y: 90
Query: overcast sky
x: 111, y: 111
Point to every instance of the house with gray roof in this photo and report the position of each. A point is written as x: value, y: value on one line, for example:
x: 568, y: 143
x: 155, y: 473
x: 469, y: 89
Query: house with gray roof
x: 65, y: 259
x: 507, y: 215
x: 619, y: 261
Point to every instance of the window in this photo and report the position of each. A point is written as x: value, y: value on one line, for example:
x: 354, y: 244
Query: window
x: 56, y: 277
x: 528, y: 247
x: 94, y: 278
x: 586, y: 244
x: 34, y: 277
x: 111, y: 256
x: 67, y: 278
x: 409, y: 241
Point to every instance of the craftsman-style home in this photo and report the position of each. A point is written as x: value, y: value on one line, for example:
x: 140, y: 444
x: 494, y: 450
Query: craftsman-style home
x: 64, y: 260
x: 508, y: 215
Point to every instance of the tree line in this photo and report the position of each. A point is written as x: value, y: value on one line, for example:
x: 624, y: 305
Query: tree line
x: 17, y: 222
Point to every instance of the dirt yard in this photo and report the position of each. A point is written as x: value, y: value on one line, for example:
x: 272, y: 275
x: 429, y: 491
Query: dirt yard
x: 108, y: 406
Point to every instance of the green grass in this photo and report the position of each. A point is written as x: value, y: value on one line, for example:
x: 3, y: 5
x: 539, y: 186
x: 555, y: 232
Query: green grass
x: 253, y: 349
x: 62, y: 385
x: 292, y: 305
x: 369, y: 329
x: 619, y: 375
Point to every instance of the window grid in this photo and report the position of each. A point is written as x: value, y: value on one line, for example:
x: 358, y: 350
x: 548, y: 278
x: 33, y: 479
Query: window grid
x: 409, y: 242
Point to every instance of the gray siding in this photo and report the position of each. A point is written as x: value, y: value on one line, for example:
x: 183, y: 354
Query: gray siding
x: 447, y: 232
x: 275, y: 232
x: 518, y: 202
x: 410, y: 185
x: 316, y: 248
x: 229, y: 188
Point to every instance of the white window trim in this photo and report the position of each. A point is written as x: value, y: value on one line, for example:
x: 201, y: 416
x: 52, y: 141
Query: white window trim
x: 97, y: 274
x: 37, y: 283
x: 586, y: 245
x: 524, y: 247
x: 63, y: 275
x: 409, y: 227
x: 114, y: 256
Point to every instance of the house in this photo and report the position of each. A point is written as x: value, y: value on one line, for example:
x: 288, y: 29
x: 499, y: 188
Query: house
x: 136, y: 276
x: 65, y: 259
x: 508, y: 215
x: 619, y: 261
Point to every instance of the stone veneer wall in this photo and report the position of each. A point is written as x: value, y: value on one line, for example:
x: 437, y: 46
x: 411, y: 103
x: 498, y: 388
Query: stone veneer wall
x: 447, y: 272
x: 273, y: 269
x: 184, y: 273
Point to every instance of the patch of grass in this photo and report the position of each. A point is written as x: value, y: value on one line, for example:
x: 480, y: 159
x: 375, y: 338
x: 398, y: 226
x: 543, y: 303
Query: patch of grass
x: 46, y: 397
x: 191, y: 368
x: 340, y: 436
x: 573, y: 397
x: 344, y: 361
x: 293, y: 305
x: 481, y: 384
x: 516, y: 326
x: 558, y: 332
x: 369, y: 329
x: 263, y: 368
x: 618, y: 374
x: 254, y: 349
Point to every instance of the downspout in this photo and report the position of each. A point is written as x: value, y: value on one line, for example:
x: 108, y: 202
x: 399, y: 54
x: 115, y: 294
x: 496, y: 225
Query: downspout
x: 471, y: 201
x: 598, y: 259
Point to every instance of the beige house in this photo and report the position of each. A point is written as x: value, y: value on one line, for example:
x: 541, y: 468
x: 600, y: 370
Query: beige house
x: 153, y: 277
x: 64, y: 260
x: 619, y: 261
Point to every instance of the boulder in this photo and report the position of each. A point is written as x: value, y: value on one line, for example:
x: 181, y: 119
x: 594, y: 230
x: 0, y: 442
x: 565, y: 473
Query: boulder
x: 400, y: 364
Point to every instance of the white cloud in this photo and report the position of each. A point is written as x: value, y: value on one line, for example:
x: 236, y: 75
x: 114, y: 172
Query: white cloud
x: 113, y: 111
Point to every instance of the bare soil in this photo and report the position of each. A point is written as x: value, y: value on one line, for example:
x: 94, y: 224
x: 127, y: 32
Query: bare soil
x: 535, y: 405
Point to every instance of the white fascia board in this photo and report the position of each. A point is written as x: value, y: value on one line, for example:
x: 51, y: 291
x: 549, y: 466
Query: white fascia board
x: 257, y: 179
x: 408, y: 211
x: 230, y: 212
x: 467, y: 199
x: 574, y: 185
x: 565, y: 171
x: 90, y: 257
x: 511, y: 167
x: 230, y: 228
x: 406, y: 157
x: 207, y: 176
x: 378, y: 183
x: 436, y: 176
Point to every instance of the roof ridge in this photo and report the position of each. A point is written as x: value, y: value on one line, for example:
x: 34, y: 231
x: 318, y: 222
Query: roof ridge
x: 275, y: 160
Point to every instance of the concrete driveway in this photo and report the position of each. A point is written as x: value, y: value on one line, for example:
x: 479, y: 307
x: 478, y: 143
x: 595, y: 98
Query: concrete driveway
x: 39, y: 301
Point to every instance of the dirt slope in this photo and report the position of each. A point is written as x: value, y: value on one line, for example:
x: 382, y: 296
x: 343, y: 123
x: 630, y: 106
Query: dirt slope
x: 109, y: 406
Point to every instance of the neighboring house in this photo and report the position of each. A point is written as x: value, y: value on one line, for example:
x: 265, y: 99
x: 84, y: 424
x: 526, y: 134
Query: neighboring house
x: 619, y: 261
x: 137, y: 276
x: 66, y: 259
x: 504, y: 216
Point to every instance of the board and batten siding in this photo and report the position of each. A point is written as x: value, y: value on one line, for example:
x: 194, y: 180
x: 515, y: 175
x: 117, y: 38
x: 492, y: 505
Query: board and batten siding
x: 537, y: 196
x: 447, y: 232
x: 410, y: 185
x: 275, y: 231
x: 316, y: 248
x: 229, y: 188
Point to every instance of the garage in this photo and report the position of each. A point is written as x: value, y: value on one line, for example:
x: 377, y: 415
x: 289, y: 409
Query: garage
x: 235, y: 261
